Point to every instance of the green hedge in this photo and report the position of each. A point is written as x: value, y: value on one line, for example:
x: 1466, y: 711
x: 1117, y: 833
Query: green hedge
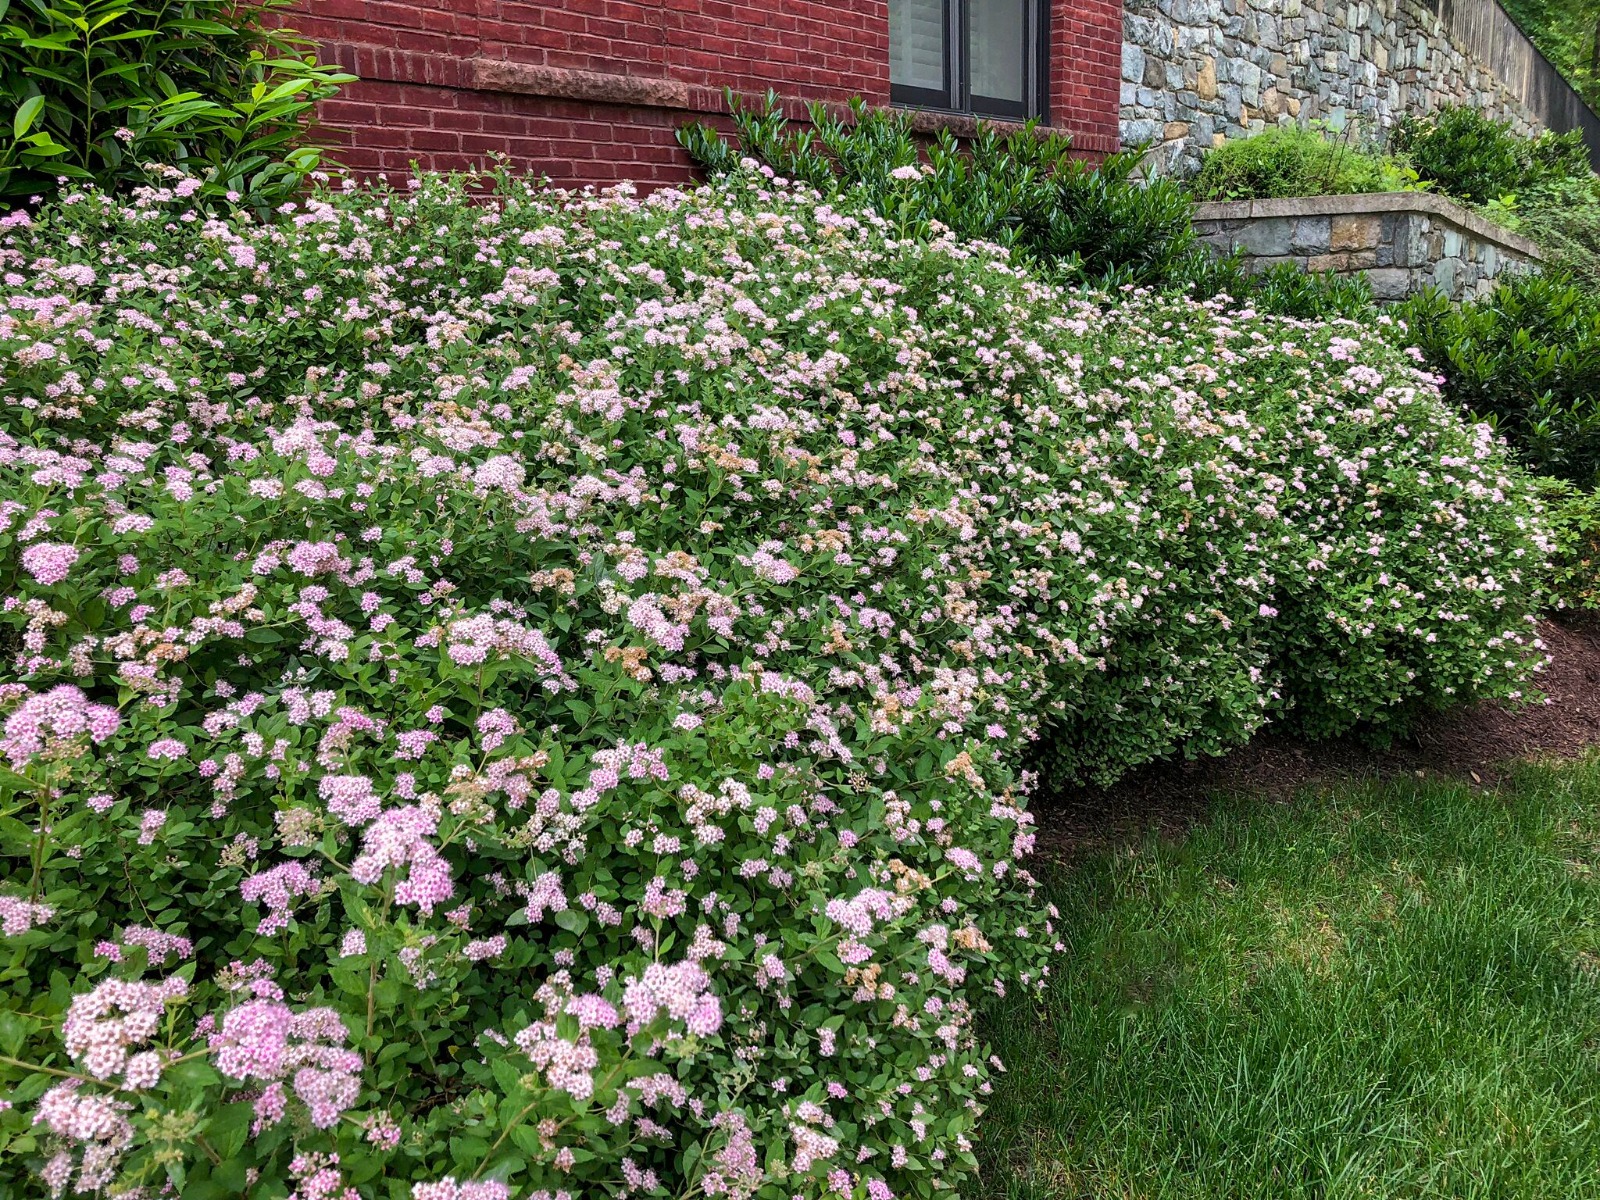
x: 1295, y: 160
x: 534, y: 695
x: 1526, y: 359
x: 94, y: 91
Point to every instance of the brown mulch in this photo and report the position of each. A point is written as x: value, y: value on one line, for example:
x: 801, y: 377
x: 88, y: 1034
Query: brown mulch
x: 1472, y: 744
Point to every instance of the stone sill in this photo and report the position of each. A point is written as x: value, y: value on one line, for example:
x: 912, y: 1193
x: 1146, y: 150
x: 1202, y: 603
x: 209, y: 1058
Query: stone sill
x: 1370, y: 204
x: 930, y: 121
x: 933, y: 120
x: 565, y: 83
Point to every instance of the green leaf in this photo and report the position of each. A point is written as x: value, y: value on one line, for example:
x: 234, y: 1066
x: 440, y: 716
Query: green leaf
x: 14, y: 1028
x: 27, y: 112
x: 129, y: 35
x: 17, y: 836
x: 11, y: 782
x: 573, y: 920
x: 228, y: 1130
x: 198, y: 25
x: 527, y: 1138
x: 232, y: 1173
x: 192, y: 1075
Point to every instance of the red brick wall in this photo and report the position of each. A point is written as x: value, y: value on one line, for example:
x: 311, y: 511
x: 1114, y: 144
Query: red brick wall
x: 591, y: 91
x: 1086, y: 71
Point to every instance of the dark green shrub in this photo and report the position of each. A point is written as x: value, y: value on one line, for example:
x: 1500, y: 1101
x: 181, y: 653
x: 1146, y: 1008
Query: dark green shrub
x: 1575, y: 522
x: 1024, y: 190
x: 1477, y: 159
x: 1555, y: 157
x: 1526, y: 359
x: 92, y: 90
x: 1310, y: 295
x: 1564, y: 219
x: 1110, y: 227
x: 1296, y: 161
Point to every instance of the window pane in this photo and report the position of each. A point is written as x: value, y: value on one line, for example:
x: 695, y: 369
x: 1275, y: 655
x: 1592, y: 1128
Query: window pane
x: 917, y: 43
x: 998, y: 34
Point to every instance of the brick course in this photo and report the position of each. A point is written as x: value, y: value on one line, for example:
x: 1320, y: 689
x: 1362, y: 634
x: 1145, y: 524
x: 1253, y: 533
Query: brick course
x: 592, y: 91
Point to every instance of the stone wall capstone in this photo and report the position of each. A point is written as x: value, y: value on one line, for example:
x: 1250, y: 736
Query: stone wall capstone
x: 1196, y: 72
x: 1402, y: 242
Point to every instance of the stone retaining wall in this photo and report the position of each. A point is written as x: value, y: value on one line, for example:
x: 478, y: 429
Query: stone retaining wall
x: 1198, y: 71
x: 1403, y: 242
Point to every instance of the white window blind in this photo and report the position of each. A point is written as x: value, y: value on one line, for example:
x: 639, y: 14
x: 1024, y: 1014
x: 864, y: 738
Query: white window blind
x: 917, y: 43
x: 998, y: 35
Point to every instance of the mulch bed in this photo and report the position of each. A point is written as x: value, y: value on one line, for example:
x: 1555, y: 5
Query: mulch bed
x: 1472, y: 744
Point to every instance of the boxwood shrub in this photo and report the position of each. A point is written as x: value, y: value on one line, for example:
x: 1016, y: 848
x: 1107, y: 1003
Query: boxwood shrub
x: 532, y: 696
x: 1526, y: 359
x: 1296, y: 160
x: 1472, y: 157
x: 1575, y: 520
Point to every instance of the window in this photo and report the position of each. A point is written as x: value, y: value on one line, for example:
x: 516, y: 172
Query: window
x: 984, y: 57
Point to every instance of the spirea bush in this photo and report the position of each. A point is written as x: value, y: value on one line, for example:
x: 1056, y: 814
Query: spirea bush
x: 531, y: 697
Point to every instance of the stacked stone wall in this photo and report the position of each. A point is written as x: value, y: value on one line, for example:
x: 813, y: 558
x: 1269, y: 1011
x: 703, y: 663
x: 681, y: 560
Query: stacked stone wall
x: 1402, y: 242
x: 1198, y: 71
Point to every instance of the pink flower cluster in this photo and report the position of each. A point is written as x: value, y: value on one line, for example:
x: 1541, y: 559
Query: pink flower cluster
x: 49, y: 562
x: 316, y: 558
x: 102, y: 1026
x: 632, y: 760
x: 483, y: 949
x: 264, y: 1040
x: 399, y: 838
x: 682, y: 991
x: 739, y: 1171
x: 157, y: 944
x: 350, y: 798
x: 475, y: 640
x: 318, y: 1177
x: 277, y: 888
x: 96, y: 1127
x: 867, y: 907
x: 543, y: 895
x: 17, y: 916
x: 568, y: 1066
x: 448, y: 1189
x: 47, y: 720
x: 494, y: 727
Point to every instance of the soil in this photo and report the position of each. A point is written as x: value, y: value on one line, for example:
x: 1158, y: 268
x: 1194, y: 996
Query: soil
x: 1475, y: 744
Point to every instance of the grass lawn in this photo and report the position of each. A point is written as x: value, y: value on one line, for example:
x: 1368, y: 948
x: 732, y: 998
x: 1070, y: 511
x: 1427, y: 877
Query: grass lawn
x: 1375, y: 991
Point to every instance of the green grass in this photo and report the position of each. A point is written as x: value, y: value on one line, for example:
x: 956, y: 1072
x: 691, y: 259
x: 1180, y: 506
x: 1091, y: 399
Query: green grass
x: 1383, y: 991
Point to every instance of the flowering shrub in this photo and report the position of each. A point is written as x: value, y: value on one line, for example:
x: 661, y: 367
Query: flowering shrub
x: 531, y: 698
x: 1099, y: 224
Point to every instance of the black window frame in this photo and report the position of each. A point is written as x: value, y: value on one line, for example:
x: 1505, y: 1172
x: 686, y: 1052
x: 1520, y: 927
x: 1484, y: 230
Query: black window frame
x: 956, y: 94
